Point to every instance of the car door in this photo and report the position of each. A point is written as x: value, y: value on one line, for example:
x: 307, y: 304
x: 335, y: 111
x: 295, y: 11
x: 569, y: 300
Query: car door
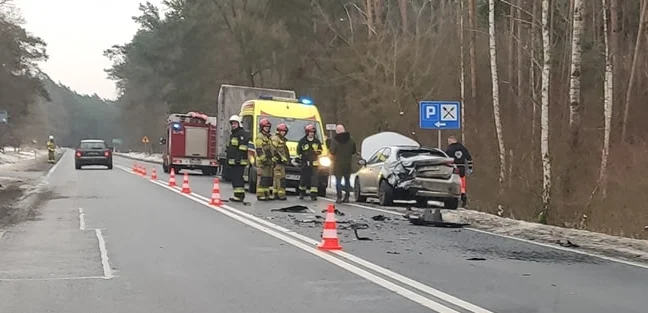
x: 373, y: 170
x: 365, y: 174
x: 377, y: 168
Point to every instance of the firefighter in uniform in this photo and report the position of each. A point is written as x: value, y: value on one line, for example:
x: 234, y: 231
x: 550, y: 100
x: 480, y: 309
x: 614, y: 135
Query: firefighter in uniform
x: 51, y: 149
x: 264, y: 161
x: 282, y: 157
x: 237, y: 157
x: 464, y: 162
x: 309, y: 149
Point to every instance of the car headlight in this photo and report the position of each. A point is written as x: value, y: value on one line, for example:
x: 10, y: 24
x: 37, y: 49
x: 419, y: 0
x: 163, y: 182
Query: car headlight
x: 325, y: 161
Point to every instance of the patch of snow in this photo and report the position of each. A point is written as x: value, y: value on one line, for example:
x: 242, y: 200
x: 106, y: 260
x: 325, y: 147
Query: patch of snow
x: 13, y: 155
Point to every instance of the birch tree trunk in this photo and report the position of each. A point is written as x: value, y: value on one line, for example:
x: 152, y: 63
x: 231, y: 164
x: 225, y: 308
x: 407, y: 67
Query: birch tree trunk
x: 575, y: 77
x: 496, y: 100
x: 608, y: 95
x: 473, y: 55
x: 544, y: 114
x: 633, y: 69
x: 520, y: 44
x: 462, y: 69
x: 532, y: 77
x: 615, y: 45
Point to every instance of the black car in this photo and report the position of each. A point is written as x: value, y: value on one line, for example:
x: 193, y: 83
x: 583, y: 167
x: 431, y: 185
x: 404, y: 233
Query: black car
x: 93, y: 152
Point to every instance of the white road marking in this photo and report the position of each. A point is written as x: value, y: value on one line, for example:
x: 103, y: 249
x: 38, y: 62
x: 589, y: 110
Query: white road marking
x: 56, y: 278
x: 104, y: 255
x: 276, y: 231
x: 82, y: 225
x: 395, y: 276
x: 546, y: 245
x: 367, y: 207
x: 53, y: 168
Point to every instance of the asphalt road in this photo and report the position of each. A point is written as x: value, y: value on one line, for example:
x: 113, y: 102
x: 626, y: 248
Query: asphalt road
x: 109, y: 241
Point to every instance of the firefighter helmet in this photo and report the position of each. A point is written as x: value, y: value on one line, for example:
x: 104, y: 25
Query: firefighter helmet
x: 51, y: 137
x: 282, y: 127
x: 264, y: 122
x: 235, y: 118
x: 309, y: 128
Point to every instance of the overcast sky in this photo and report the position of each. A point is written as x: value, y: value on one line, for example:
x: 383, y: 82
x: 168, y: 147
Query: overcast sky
x: 77, y: 32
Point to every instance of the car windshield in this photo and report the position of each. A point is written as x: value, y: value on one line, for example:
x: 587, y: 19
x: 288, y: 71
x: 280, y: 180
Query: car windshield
x: 295, y: 127
x: 416, y: 152
x: 97, y: 145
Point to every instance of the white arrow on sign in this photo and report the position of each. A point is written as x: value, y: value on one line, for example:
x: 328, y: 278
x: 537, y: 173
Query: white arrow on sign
x: 439, y: 124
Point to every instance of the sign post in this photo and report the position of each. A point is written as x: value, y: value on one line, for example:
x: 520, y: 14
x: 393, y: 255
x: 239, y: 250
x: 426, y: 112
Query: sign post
x: 440, y: 115
x: 146, y: 141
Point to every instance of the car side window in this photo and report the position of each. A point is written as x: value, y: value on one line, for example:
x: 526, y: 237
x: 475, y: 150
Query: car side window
x: 385, y: 155
x: 247, y: 123
x: 375, y: 158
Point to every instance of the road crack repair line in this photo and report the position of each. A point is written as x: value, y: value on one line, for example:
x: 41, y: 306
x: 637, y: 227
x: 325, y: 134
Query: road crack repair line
x: 308, y: 245
x: 82, y: 224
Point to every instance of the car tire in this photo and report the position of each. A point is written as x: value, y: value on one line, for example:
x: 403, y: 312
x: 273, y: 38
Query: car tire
x: 356, y: 192
x: 252, y: 180
x: 385, y: 194
x: 451, y: 203
x: 321, y: 190
x: 110, y: 166
x: 77, y: 166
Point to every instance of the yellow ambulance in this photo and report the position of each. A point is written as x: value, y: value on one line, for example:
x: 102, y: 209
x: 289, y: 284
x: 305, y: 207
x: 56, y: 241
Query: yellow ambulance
x: 296, y: 114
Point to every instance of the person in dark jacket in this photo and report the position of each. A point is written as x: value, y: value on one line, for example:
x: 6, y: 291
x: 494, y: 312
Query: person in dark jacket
x: 237, y: 157
x: 464, y: 162
x: 309, y: 150
x: 343, y: 148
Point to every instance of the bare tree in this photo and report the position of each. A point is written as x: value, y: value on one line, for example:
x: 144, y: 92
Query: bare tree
x: 544, y: 114
x: 462, y: 70
x: 608, y: 103
x: 633, y: 69
x: 472, y: 20
x: 496, y: 93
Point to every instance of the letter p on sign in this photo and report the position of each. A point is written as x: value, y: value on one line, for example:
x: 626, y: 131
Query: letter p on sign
x: 429, y: 111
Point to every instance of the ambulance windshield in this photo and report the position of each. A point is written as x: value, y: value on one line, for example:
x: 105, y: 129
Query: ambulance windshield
x: 295, y: 127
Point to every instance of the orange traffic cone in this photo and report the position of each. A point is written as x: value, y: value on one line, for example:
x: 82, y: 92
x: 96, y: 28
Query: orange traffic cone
x: 134, y: 168
x: 185, y: 184
x: 216, y: 198
x: 139, y: 170
x: 330, y: 239
x: 172, y: 182
x: 143, y: 173
x: 153, y: 174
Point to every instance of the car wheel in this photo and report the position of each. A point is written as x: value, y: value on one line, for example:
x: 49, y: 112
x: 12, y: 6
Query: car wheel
x: 385, y: 194
x: 357, y: 192
x: 451, y: 203
x: 77, y: 166
x: 252, y: 180
x: 110, y: 166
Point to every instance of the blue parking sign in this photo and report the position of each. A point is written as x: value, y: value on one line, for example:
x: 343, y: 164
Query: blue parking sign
x: 440, y: 115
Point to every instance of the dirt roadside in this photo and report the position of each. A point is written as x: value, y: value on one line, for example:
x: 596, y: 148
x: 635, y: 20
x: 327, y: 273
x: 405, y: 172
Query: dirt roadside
x: 21, y: 189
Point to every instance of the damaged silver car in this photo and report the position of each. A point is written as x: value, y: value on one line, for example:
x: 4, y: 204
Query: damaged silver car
x: 408, y: 172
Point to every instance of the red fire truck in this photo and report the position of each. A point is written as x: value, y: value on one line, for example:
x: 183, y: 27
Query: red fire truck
x: 190, y: 143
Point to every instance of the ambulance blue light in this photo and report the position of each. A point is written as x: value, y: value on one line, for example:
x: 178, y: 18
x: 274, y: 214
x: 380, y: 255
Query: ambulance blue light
x: 176, y: 126
x: 306, y: 101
